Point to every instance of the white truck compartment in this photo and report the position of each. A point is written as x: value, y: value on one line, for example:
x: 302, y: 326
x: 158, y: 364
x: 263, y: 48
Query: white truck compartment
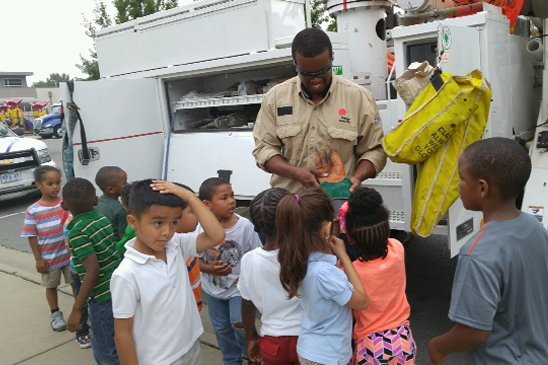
x: 480, y: 41
x: 124, y: 124
x: 212, y: 120
x: 197, y: 32
x: 535, y: 199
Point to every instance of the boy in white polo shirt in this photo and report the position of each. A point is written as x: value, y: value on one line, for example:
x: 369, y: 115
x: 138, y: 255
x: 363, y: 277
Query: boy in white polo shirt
x: 155, y: 316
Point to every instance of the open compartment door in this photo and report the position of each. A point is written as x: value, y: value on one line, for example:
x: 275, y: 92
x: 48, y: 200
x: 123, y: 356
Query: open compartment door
x: 123, y: 124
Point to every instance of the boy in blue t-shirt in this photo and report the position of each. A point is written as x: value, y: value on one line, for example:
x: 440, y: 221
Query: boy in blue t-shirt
x: 499, y: 298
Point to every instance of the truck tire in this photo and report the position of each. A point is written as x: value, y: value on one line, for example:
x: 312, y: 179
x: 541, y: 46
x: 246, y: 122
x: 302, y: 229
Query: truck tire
x: 58, y: 132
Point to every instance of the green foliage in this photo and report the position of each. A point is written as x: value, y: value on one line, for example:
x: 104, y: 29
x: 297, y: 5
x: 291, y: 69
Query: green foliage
x: 320, y: 17
x: 52, y: 81
x: 101, y: 19
x: 126, y: 10
x: 89, y: 67
x: 332, y: 26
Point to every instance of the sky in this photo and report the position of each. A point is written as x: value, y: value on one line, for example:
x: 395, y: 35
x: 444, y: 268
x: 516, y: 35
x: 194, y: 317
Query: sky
x: 44, y: 36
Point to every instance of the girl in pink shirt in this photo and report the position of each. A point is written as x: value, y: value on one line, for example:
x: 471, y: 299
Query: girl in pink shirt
x: 382, y: 334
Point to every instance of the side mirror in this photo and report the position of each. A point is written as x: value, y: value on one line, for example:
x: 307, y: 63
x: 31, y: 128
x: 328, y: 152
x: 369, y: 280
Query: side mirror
x: 19, y: 131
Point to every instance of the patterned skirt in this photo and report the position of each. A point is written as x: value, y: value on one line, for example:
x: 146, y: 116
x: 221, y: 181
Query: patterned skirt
x: 391, y: 347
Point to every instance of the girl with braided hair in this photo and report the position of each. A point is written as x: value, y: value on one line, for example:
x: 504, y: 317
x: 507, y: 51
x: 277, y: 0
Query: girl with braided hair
x: 382, y: 334
x: 308, y: 257
x: 261, y: 290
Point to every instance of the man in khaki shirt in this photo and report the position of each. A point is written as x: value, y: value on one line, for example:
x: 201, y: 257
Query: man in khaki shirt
x: 314, y: 111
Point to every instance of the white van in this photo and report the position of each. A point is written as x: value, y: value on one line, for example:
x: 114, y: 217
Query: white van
x: 19, y: 156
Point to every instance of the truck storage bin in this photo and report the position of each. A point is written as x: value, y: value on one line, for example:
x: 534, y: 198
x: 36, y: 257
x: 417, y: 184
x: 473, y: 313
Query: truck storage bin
x: 201, y: 31
x: 224, y: 100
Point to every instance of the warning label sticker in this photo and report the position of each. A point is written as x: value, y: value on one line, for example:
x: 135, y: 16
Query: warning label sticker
x: 537, y: 211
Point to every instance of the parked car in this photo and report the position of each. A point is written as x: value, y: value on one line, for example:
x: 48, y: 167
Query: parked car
x: 50, y: 125
x: 19, y: 156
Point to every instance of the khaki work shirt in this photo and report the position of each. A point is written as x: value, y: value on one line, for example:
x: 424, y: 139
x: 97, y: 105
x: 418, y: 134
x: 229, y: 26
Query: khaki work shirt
x: 291, y: 125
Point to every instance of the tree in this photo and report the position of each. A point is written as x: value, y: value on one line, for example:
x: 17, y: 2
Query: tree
x: 52, y: 81
x: 126, y: 10
x: 320, y: 17
x: 133, y: 9
x: 101, y: 19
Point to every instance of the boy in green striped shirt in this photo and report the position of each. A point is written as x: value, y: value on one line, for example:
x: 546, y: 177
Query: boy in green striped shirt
x: 92, y: 245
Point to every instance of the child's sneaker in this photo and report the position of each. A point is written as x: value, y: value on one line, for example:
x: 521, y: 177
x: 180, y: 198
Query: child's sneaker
x: 57, y: 321
x: 84, y: 341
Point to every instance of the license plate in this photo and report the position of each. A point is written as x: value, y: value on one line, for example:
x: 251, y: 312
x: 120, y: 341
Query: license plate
x: 10, y: 177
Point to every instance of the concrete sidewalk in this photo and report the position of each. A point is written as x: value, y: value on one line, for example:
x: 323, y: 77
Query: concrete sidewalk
x: 25, y: 333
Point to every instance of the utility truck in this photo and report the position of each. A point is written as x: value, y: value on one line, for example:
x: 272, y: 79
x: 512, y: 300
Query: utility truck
x: 180, y: 89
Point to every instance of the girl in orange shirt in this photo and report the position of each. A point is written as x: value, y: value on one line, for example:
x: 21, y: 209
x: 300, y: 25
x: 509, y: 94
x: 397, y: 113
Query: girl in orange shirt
x: 382, y: 334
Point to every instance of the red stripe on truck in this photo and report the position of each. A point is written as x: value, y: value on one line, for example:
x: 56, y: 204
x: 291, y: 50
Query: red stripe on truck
x: 121, y: 138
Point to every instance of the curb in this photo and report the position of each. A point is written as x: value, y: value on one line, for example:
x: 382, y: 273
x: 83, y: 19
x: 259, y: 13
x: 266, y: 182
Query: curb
x: 10, y: 270
x: 32, y: 278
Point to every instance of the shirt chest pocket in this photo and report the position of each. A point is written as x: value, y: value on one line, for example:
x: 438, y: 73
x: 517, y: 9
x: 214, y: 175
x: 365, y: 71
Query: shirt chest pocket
x: 343, y: 136
x: 285, y: 132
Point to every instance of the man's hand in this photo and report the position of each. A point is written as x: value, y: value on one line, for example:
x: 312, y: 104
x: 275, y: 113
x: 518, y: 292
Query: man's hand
x: 41, y: 266
x: 73, y: 323
x: 356, y: 183
x: 331, y: 165
x: 364, y: 170
x: 308, y: 177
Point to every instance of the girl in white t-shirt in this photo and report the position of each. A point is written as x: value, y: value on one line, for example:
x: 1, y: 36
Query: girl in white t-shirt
x: 308, y: 256
x: 261, y: 289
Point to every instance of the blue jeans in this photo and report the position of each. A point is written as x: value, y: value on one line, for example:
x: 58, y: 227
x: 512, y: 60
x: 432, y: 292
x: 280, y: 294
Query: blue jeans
x: 84, y: 326
x: 224, y: 313
x: 102, y: 341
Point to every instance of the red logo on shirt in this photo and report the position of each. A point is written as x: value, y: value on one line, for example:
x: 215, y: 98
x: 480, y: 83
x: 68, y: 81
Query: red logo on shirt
x: 342, y: 114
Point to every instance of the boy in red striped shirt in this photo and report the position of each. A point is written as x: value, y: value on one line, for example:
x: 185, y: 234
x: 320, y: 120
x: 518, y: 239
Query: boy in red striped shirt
x: 43, y: 227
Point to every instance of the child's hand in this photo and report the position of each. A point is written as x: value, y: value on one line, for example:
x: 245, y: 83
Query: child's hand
x: 219, y: 268
x: 73, y: 323
x: 41, y: 266
x: 337, y: 247
x: 435, y: 356
x: 166, y: 187
x: 253, y: 352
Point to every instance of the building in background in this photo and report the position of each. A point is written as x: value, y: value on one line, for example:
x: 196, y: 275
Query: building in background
x: 14, y: 85
x: 51, y: 95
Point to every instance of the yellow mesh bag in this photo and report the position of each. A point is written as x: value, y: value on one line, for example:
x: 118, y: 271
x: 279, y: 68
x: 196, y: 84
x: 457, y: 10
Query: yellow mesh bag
x: 436, y: 188
x: 438, y: 112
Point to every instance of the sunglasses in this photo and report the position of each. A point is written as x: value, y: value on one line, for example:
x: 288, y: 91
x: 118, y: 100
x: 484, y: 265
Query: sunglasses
x: 312, y: 75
